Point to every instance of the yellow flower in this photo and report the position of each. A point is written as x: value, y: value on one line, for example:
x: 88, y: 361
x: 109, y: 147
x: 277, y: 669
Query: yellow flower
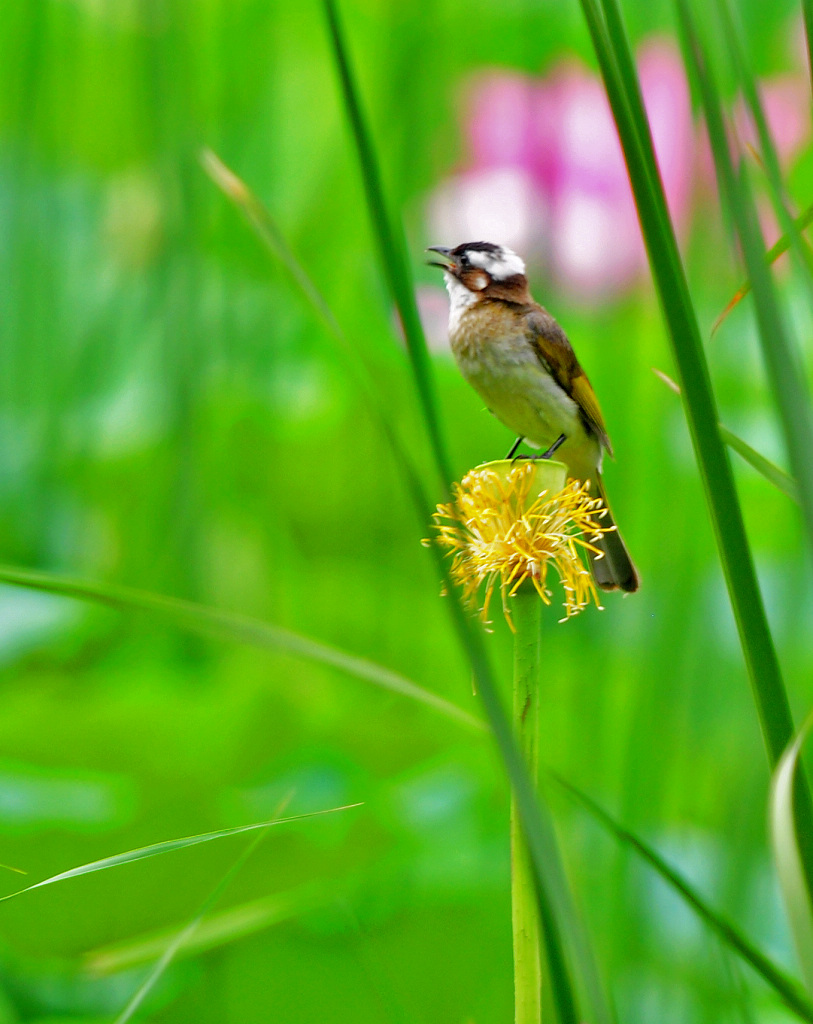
x: 505, y: 525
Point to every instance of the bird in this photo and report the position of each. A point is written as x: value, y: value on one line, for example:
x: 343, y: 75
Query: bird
x: 519, y: 360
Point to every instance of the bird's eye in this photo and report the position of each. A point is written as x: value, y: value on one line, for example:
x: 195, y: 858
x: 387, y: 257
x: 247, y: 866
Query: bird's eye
x: 464, y: 260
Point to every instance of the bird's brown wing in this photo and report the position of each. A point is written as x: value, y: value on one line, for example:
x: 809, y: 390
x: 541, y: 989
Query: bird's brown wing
x: 555, y: 351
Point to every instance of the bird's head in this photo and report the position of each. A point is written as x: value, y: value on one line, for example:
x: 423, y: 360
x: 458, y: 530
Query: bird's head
x: 476, y: 270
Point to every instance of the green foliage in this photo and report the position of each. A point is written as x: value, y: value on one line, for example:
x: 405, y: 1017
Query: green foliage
x: 183, y: 416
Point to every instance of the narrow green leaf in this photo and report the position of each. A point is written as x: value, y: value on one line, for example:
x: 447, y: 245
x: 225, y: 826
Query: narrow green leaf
x: 731, y: 936
x: 772, y: 473
x: 781, y: 360
x: 188, y: 932
x: 699, y: 402
x: 266, y: 229
x: 552, y: 889
x: 389, y: 237
x: 784, y: 373
x: 733, y: 37
x: 789, y: 853
x: 168, y: 846
x: 548, y: 872
x: 804, y: 220
x: 212, y: 622
x: 807, y: 11
x: 214, y: 930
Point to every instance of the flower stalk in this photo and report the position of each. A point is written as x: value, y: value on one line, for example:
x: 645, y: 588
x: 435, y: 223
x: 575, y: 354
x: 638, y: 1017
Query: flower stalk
x: 513, y: 527
x: 527, y: 616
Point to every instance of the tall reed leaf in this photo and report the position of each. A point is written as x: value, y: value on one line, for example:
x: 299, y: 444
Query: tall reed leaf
x: 213, y: 622
x: 389, y: 237
x: 623, y: 90
x: 545, y: 866
x: 789, y: 854
x: 169, y: 846
x: 781, y: 360
x: 732, y: 34
x: 769, y: 470
x: 185, y: 934
x: 779, y: 247
x: 555, y: 903
x: 790, y: 392
x: 272, y: 238
x: 731, y: 936
x: 215, y: 930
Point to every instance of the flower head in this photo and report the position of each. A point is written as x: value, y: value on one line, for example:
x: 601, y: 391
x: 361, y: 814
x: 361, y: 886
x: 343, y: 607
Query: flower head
x: 508, y: 523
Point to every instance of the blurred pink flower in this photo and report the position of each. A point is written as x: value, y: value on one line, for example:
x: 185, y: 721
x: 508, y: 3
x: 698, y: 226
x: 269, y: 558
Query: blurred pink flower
x: 785, y: 102
x: 547, y: 175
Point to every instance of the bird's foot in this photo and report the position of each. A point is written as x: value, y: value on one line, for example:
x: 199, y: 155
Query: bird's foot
x: 557, y: 444
x: 560, y: 440
x: 514, y: 447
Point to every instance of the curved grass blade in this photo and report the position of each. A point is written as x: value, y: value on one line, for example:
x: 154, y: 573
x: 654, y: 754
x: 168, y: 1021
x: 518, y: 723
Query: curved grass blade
x: 264, y: 225
x: 772, y: 473
x: 732, y: 937
x: 222, y: 625
x: 266, y: 229
x: 783, y: 370
x: 782, y: 361
x: 391, y: 245
x: 779, y: 248
x: 168, y: 846
x: 807, y: 11
x: 618, y: 72
x: 768, y: 159
x: 186, y: 933
x: 552, y: 889
x: 212, y: 932
x: 789, y: 854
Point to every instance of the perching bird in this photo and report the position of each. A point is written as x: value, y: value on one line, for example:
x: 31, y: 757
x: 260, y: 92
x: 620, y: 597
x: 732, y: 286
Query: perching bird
x: 518, y: 359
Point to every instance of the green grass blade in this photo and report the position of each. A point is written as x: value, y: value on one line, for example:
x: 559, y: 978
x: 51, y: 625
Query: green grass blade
x: 546, y: 873
x: 789, y: 853
x: 769, y: 470
x: 552, y: 889
x: 731, y: 936
x: 807, y: 11
x: 266, y: 228
x: 267, y: 231
x: 701, y: 410
x: 772, y: 473
x: 732, y: 34
x: 782, y: 362
x: 187, y: 933
x: 390, y: 240
x: 168, y: 846
x: 213, y: 931
x: 222, y: 625
x: 804, y: 220
x: 790, y: 392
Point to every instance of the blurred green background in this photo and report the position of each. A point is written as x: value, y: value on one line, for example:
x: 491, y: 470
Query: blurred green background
x: 175, y: 418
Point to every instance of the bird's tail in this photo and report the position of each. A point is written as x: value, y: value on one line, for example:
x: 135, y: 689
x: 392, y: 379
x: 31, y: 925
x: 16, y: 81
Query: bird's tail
x: 615, y: 570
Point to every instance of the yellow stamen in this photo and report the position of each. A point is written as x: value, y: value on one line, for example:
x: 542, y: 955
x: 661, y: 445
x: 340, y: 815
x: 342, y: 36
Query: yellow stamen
x: 498, y: 531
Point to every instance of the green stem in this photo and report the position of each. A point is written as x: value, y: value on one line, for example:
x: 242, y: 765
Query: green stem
x: 526, y: 610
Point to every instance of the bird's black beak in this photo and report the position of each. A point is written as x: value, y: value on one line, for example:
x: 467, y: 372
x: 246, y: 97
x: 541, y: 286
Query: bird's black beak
x: 445, y: 253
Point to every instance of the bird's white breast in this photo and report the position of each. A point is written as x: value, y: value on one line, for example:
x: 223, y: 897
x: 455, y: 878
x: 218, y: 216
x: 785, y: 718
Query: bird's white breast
x: 506, y: 371
x: 460, y: 299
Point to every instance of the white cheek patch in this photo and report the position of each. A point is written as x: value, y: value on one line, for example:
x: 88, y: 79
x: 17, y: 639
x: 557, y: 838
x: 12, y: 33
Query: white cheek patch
x: 502, y: 264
